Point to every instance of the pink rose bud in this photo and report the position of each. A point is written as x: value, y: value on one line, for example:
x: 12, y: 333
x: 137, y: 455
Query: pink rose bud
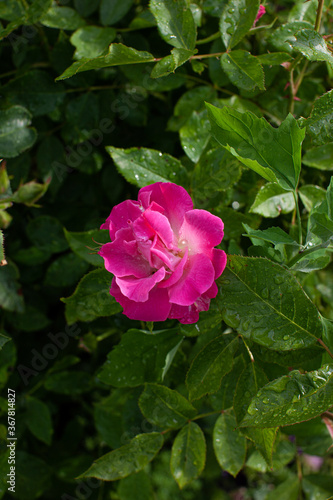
x: 162, y: 255
x: 261, y: 12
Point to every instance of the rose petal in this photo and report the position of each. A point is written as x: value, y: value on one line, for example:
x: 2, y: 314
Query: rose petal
x: 138, y: 289
x: 219, y: 261
x: 174, y: 199
x: 177, y: 273
x: 201, y: 231
x: 156, y: 308
x: 121, y: 215
x: 159, y: 254
x: 121, y: 257
x: 197, y: 278
x: 185, y: 314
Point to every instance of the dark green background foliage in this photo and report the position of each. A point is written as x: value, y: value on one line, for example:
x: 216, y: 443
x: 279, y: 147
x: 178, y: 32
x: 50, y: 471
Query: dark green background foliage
x: 100, y: 98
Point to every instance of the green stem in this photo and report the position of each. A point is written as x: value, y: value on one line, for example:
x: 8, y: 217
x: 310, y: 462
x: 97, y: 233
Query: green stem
x: 210, y: 38
x: 209, y: 414
x: 325, y: 347
x: 319, y: 14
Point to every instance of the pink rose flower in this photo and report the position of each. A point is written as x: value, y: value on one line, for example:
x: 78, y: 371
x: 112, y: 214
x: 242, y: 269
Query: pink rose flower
x: 162, y: 255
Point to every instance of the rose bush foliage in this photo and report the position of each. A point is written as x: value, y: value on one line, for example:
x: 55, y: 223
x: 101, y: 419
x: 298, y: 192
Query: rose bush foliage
x: 162, y: 255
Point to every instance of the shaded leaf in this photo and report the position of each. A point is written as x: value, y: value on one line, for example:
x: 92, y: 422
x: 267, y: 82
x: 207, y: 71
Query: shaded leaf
x: 68, y: 382
x: 170, y: 63
x: 266, y: 304
x: 127, y: 459
x: 112, y: 11
x: 195, y: 135
x: 320, y: 157
x: 249, y: 382
x: 84, y: 244
x: 139, y: 358
x: 63, y: 18
x: 142, y: 166
x: 229, y: 444
x: 38, y: 419
x: 66, y: 270
x: 136, y: 486
x: 10, y: 297
x: 311, y: 196
x: 15, y: 134
x: 46, y: 233
x: 165, y: 407
x: 188, y: 454
x: 209, y: 367
x: 292, y: 398
x: 91, y: 298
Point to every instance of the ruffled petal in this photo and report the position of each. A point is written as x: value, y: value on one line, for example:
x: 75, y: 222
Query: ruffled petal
x: 156, y: 308
x: 197, y: 278
x: 121, y: 215
x: 121, y: 257
x: 138, y: 289
x: 177, y: 273
x: 201, y: 231
x: 174, y: 199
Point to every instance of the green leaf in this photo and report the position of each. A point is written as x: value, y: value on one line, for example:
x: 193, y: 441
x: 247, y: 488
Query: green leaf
x: 321, y: 218
x: 274, y: 58
x: 236, y: 20
x: 142, y: 166
x: 63, y: 18
x: 216, y: 171
x: 139, y: 358
x: 212, y: 363
x: 118, y: 55
x: 165, y: 407
x: 30, y: 193
x: 10, y: 298
x: 36, y: 91
x: 272, y: 200
x: 223, y: 398
x: 86, y: 7
x: 136, y: 486
x: 311, y: 196
x: 92, y: 41
x: 15, y: 134
x: 108, y: 419
x: 234, y: 220
x: 250, y: 381
x: 287, y: 358
x: 292, y: 398
x: 32, y: 476
x: 288, y: 490
x: 175, y: 23
x: 274, y: 235
x: 46, y: 233
x: 91, y: 298
x: 127, y: 459
x: 84, y: 244
x: 319, y: 124
x: 112, y: 11
x: 312, y: 45
x: 3, y: 340
x: 282, y: 37
x: 71, y: 383
x: 274, y: 153
x: 229, y: 444
x: 170, y: 63
x: 266, y: 304
x: 320, y: 157
x: 188, y: 454
x: 66, y: 270
x: 38, y: 419
x: 195, y: 135
x: 318, y: 486
x: 243, y: 69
